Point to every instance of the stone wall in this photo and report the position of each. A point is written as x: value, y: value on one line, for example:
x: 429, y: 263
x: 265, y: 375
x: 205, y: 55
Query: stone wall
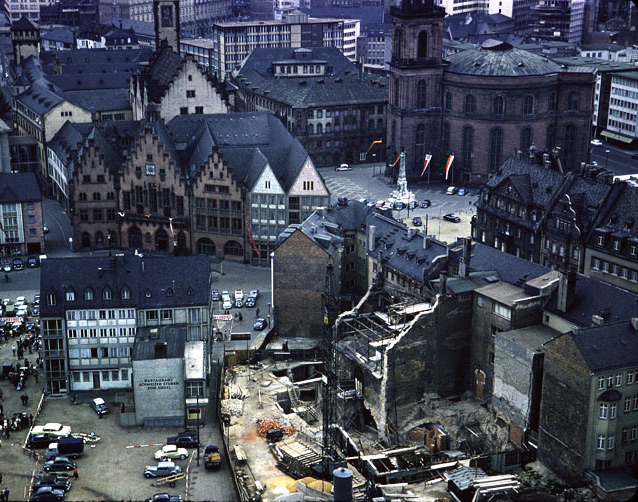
x: 158, y: 386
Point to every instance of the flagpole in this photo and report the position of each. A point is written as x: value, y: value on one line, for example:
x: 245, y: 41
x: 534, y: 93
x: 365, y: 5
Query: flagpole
x: 429, y: 175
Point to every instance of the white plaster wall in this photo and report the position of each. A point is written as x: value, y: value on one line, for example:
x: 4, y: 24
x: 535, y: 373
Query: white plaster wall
x: 308, y: 173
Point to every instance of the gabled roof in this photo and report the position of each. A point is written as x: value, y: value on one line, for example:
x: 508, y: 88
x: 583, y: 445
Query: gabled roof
x: 19, y: 187
x: 87, y: 61
x: 40, y: 99
x: 91, y: 81
x: 161, y: 71
x: 508, y: 267
x: 105, y: 100
x: 608, y: 347
x: 24, y: 24
x: 61, y: 34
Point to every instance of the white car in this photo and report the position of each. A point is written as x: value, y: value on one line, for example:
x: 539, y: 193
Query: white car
x: 596, y: 142
x: 451, y: 190
x: 52, y: 429
x: 343, y: 167
x: 171, y: 451
x: 239, y: 294
x: 227, y: 304
x: 20, y: 300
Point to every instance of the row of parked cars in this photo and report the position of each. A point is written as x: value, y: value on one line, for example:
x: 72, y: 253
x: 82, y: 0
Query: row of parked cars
x: 20, y: 263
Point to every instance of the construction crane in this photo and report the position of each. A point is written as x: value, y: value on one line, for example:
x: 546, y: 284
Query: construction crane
x: 330, y: 372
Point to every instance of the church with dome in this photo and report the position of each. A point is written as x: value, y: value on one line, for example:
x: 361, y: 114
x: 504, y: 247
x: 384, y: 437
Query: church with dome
x: 480, y: 105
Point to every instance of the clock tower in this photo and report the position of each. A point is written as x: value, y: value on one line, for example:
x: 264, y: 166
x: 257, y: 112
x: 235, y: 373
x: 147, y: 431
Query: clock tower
x: 416, y: 77
x: 166, y: 16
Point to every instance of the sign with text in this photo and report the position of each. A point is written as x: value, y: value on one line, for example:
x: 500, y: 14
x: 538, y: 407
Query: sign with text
x: 160, y: 383
x: 222, y: 317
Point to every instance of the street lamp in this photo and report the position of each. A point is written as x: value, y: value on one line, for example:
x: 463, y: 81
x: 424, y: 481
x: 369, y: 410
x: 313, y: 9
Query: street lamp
x: 606, y: 158
x: 269, y: 315
x: 198, y: 415
x: 108, y: 238
x: 374, y: 163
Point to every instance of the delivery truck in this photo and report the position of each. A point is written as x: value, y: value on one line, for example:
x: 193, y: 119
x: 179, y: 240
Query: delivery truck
x: 65, y: 447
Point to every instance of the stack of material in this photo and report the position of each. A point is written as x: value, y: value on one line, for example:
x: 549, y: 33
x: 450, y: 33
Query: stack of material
x: 266, y: 425
x: 232, y: 407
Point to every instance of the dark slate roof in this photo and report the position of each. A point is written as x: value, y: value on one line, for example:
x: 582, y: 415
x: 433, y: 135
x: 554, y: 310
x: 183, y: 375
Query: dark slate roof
x: 66, y: 142
x: 622, y: 215
x: 170, y: 282
x: 508, y: 267
x: 246, y: 141
x: 174, y: 336
x: 140, y: 27
x: 342, y: 85
x: 160, y: 72
x: 40, y: 99
x: 600, y: 65
x: 61, y: 34
x: 594, y: 297
x: 500, y: 60
x: 85, y: 61
x: 104, y: 100
x: 91, y: 81
x: 369, y: 15
x: 408, y: 255
x: 24, y: 24
x: 608, y: 347
x: 19, y: 187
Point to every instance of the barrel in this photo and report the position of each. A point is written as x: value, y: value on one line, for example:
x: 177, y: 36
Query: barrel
x: 342, y: 482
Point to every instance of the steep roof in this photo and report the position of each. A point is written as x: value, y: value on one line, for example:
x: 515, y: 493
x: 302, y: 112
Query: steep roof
x: 86, y: 61
x: 40, y: 99
x: 161, y: 71
x: 91, y: 81
x: 342, y: 84
x: 500, y: 60
x: 103, y: 101
x: 19, y: 187
x: 508, y: 267
x: 24, y: 24
x: 608, y: 347
x: 153, y: 282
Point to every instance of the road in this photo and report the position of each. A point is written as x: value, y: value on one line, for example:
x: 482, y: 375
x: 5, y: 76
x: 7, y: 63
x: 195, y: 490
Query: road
x: 618, y: 160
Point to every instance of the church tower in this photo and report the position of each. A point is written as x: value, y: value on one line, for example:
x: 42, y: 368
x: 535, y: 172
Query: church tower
x: 166, y: 16
x: 25, y: 37
x: 416, y: 77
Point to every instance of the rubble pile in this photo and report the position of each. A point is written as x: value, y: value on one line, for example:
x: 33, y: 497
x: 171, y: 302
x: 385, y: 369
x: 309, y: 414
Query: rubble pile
x: 232, y: 407
x: 266, y: 425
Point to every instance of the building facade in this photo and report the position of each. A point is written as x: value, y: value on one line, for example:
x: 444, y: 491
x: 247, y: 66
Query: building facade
x: 562, y: 20
x: 92, y: 307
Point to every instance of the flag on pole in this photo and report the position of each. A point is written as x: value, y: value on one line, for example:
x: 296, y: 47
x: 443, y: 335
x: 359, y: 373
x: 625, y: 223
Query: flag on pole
x: 428, y: 158
x: 448, y: 165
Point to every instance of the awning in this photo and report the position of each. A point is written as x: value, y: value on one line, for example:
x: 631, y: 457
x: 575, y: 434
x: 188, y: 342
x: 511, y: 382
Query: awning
x: 616, y: 136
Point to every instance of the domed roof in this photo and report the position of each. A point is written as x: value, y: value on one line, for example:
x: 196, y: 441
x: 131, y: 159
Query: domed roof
x: 500, y: 59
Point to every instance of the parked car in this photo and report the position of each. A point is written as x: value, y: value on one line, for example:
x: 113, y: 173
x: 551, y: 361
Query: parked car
x: 596, y: 142
x: 37, y: 441
x: 451, y: 217
x: 171, y: 451
x: 212, y: 458
x: 45, y: 229
x: 59, y: 464
x: 100, y: 407
x: 239, y: 294
x: 417, y: 221
x: 413, y: 204
x: 18, y: 264
x: 250, y: 302
x: 165, y: 497
x: 162, y: 469
x: 47, y: 494
x: 185, y: 441
x: 57, y: 482
x: 35, y: 311
x: 260, y: 324
x: 52, y: 429
x: 36, y: 299
x: 451, y: 190
x: 254, y: 293
x: 20, y: 300
x: 426, y: 203
x: 33, y: 262
x: 65, y: 447
x: 6, y: 267
x: 399, y: 206
x: 343, y: 167
x: 227, y: 305
x: 462, y: 191
x: 225, y: 293
x: 214, y: 295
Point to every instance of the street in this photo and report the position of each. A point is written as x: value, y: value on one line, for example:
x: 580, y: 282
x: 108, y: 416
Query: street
x: 616, y: 159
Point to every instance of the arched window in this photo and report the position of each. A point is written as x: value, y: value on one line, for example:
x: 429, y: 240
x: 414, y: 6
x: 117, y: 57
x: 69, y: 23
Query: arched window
x: 446, y: 136
x: 419, y: 146
x: 572, y: 101
x: 134, y: 237
x: 379, y: 123
x: 470, y: 104
x: 70, y: 295
x: 570, y: 146
x: 51, y: 299
x: 126, y: 293
x: 328, y: 127
x: 496, y: 148
x: 397, y: 41
x: 319, y: 129
x: 421, y: 94
x: 552, y: 101
x: 396, y: 92
x: 106, y: 294
x: 448, y: 101
x: 233, y: 248
x: 549, y: 137
x: 526, y: 138
x: 498, y: 106
x: 205, y: 246
x: 468, y: 146
x: 88, y: 294
x: 311, y: 129
x: 422, y: 51
x: 528, y: 105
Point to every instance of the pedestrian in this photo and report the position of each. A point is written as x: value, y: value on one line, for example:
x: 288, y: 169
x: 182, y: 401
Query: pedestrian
x: 241, y: 317
x: 30, y: 419
x: 6, y: 277
x: 257, y: 313
x: 14, y: 348
x: 76, y: 473
x: 6, y: 494
x: 35, y: 374
x: 0, y: 478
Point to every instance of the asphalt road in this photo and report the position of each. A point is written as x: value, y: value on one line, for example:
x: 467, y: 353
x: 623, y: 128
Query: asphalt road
x: 617, y: 160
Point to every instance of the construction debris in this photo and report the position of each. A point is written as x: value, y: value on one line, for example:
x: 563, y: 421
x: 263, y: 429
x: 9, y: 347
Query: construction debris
x: 232, y: 407
x: 267, y: 425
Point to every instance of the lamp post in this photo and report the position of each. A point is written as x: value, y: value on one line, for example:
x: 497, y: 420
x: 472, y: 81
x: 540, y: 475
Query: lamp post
x: 374, y: 164
x: 108, y: 238
x: 269, y: 315
x: 198, y: 415
x: 606, y: 157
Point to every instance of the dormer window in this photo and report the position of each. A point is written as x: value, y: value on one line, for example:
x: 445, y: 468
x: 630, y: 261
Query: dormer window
x: 600, y: 240
x: 632, y: 250
x: 106, y: 294
x: 126, y: 293
x: 88, y: 294
x: 169, y: 292
x: 616, y: 245
x: 190, y: 292
x: 51, y: 299
x: 148, y: 293
x: 70, y: 295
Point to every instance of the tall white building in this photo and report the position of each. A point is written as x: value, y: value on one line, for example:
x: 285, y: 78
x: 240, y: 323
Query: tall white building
x: 519, y: 10
x: 463, y: 6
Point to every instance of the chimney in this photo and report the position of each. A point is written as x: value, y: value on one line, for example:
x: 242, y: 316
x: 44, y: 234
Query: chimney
x: 443, y: 282
x: 372, y: 234
x: 464, y: 265
x: 426, y: 242
x: 634, y: 323
x: 161, y: 350
x: 566, y: 289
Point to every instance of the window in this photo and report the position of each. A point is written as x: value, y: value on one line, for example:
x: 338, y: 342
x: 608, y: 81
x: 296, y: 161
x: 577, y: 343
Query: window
x: 600, y: 443
x: 422, y: 51
x: 630, y: 377
x: 611, y: 442
x: 199, y: 110
x: 70, y: 296
x: 88, y: 294
x: 126, y: 294
x: 602, y: 411
x: 51, y: 300
x: 468, y: 146
x: 572, y: 101
x: 421, y: 94
x: 526, y: 138
x: 528, y: 105
x: 190, y: 93
x: 106, y: 295
x: 601, y: 383
x: 448, y: 101
x: 612, y: 411
x: 470, y: 104
x: 124, y: 374
x: 183, y: 110
x: 570, y: 145
x: 552, y: 101
x: 501, y: 310
x: 632, y: 433
x: 498, y: 106
x: 618, y: 380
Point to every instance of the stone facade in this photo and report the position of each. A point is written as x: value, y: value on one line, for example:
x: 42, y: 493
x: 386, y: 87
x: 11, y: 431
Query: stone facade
x: 159, y: 392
